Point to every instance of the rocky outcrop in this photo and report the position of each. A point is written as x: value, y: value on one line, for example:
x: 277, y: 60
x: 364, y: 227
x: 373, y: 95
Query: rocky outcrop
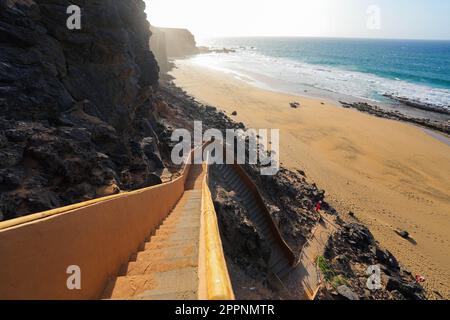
x: 349, y: 254
x: 158, y: 45
x: 179, y: 42
x: 169, y: 43
x: 444, y: 109
x: 438, y: 125
x: 76, y: 106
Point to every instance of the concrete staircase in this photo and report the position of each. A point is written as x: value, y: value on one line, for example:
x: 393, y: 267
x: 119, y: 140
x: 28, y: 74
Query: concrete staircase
x: 166, y: 268
x: 279, y: 264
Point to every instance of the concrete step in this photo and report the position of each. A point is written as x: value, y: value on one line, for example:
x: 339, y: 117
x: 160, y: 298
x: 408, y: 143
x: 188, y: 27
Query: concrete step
x: 176, y: 237
x: 195, y: 193
x: 233, y: 180
x: 186, y: 214
x: 265, y: 228
x: 154, y: 244
x: 191, y: 211
x: 187, y: 204
x: 254, y: 210
x: 150, y: 266
x: 278, y: 266
x: 284, y: 272
x: 184, y: 224
x: 189, y: 227
x: 247, y: 198
x: 275, y: 257
x: 179, y: 280
x: 187, y: 249
x: 241, y: 188
x: 167, y: 295
x: 260, y: 219
x: 271, y: 240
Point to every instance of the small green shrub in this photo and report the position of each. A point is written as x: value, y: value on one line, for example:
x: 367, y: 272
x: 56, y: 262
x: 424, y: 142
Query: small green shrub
x: 329, y: 274
x: 338, y: 281
x: 325, y: 268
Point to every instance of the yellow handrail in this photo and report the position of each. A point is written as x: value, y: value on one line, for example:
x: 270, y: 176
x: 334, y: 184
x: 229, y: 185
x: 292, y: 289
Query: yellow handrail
x: 217, y: 282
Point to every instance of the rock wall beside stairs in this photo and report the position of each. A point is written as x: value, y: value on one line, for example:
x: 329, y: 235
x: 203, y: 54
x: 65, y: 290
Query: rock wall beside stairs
x: 76, y: 106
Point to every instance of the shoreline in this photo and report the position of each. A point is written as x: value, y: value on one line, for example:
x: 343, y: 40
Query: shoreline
x: 435, y: 124
x: 388, y: 102
x: 382, y: 170
x: 299, y: 226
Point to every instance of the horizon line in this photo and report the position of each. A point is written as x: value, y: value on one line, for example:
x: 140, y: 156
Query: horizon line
x: 320, y: 37
x: 305, y: 36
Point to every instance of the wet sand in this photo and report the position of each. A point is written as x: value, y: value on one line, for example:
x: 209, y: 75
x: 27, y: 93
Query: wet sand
x: 390, y: 174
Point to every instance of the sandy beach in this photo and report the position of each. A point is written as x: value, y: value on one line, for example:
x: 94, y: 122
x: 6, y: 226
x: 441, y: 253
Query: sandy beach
x: 392, y: 175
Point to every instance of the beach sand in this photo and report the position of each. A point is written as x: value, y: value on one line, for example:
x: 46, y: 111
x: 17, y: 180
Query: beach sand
x: 390, y: 174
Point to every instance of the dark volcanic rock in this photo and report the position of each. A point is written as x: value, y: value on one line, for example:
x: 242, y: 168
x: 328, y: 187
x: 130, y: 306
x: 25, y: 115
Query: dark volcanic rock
x: 409, y: 290
x: 347, y: 293
x: 353, y: 249
x: 76, y: 106
x: 402, y: 233
x: 419, y: 105
x: 441, y: 126
x: 294, y: 105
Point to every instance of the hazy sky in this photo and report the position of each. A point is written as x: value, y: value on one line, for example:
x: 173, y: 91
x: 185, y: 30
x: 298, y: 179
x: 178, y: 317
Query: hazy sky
x: 422, y: 19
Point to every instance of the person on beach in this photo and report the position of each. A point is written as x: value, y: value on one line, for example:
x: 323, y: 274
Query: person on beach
x: 318, y: 206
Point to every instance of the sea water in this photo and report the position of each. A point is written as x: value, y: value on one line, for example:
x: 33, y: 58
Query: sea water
x: 367, y: 69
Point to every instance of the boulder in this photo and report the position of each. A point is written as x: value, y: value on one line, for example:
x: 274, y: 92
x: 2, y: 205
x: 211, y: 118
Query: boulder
x: 150, y: 149
x: 347, y: 293
x: 387, y: 258
x: 294, y: 105
x: 402, y: 233
x: 409, y: 290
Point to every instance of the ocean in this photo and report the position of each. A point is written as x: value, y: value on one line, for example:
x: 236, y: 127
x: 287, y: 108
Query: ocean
x: 351, y: 68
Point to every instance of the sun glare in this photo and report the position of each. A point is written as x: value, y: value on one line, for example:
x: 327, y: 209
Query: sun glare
x: 207, y: 18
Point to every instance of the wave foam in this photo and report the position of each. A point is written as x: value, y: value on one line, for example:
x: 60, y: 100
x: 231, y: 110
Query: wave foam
x: 245, y: 63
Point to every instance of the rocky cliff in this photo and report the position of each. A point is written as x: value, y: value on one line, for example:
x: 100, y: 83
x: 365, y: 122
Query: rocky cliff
x: 76, y: 106
x: 158, y: 45
x: 169, y: 43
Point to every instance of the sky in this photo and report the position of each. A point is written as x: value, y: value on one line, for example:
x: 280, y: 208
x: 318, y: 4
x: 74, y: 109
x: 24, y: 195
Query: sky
x: 398, y: 19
